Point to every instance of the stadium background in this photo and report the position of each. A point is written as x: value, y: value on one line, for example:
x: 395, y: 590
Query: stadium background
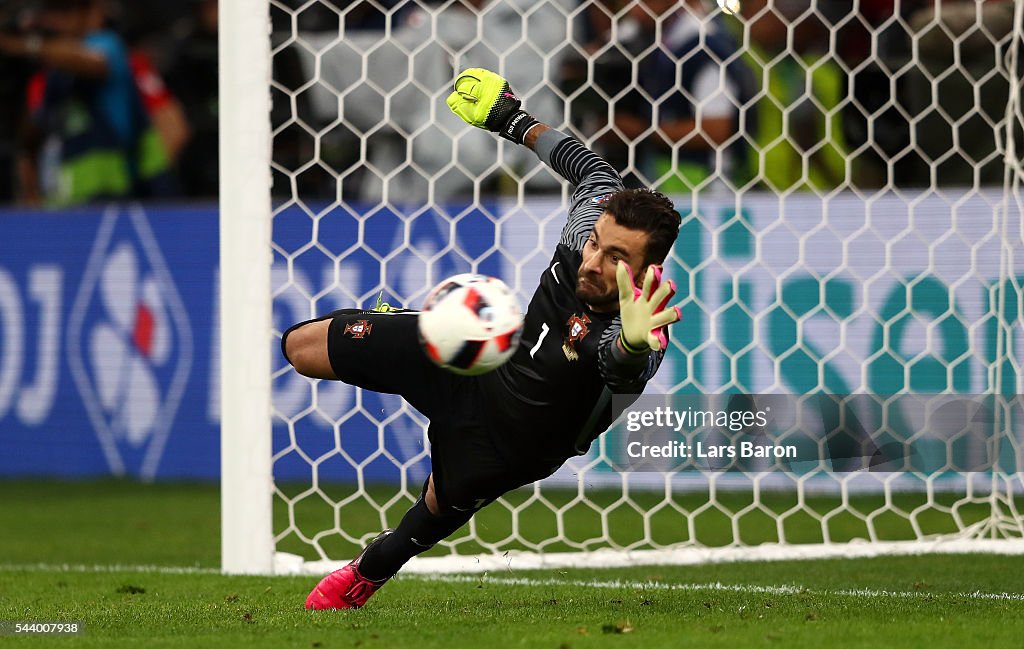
x: 886, y: 215
x: 48, y: 387
x: 110, y: 336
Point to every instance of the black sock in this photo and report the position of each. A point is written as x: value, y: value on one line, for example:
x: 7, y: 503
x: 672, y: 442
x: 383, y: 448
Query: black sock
x: 417, y: 533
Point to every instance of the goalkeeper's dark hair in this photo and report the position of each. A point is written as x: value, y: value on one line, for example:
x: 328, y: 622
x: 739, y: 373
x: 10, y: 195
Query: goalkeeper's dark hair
x: 651, y: 212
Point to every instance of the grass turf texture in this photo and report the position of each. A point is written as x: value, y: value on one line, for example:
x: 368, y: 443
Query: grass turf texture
x: 111, y: 523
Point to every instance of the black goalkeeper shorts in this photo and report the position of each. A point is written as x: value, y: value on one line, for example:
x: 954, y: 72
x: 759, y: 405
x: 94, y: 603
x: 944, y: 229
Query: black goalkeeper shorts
x: 381, y: 352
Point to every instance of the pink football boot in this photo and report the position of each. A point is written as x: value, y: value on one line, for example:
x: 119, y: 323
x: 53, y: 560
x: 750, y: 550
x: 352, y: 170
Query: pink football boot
x: 345, y: 588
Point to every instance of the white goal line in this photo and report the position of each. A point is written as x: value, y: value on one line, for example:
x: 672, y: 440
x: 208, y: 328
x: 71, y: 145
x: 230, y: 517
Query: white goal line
x: 105, y: 568
x: 753, y: 589
x: 290, y: 564
x: 611, y: 584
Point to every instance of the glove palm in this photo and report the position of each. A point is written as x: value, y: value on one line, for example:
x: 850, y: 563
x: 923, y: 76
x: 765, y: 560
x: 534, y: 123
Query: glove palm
x: 643, y: 311
x: 485, y: 100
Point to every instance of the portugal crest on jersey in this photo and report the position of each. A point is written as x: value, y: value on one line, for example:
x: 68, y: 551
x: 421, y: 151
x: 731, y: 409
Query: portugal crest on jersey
x: 576, y: 328
x: 358, y: 329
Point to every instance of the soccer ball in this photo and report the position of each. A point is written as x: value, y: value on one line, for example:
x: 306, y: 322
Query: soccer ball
x: 470, y: 324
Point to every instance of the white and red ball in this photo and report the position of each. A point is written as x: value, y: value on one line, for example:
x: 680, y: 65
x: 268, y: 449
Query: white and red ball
x: 470, y: 324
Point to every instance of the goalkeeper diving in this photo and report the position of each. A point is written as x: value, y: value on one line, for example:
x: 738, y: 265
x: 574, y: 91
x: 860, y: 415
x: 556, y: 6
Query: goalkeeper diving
x: 597, y: 325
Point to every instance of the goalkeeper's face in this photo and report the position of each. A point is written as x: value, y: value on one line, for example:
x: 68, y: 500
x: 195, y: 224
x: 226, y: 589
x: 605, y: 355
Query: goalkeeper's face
x: 609, y: 243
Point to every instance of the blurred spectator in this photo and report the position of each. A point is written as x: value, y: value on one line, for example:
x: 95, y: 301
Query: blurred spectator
x: 595, y: 22
x: 162, y: 106
x: 15, y: 18
x: 954, y: 91
x: 375, y: 103
x: 874, y: 45
x: 191, y: 74
x: 588, y: 106
x: 799, y: 138
x: 683, y: 112
x: 359, y: 15
x: 88, y: 137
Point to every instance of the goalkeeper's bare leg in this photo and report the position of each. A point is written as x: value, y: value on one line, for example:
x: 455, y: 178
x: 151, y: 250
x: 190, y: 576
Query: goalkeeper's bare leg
x: 305, y: 347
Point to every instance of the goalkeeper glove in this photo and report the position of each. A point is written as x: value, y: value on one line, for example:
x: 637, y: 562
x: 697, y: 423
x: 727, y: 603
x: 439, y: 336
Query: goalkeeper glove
x: 643, y: 313
x: 484, y: 99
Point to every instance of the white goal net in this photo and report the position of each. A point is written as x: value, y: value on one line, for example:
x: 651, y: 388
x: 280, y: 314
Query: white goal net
x: 849, y: 179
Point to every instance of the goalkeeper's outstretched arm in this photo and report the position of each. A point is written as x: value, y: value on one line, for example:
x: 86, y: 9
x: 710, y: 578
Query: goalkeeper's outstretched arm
x: 485, y: 100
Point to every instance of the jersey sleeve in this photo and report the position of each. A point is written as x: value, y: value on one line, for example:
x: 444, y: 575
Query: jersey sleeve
x: 152, y: 89
x: 593, y: 180
x: 625, y: 373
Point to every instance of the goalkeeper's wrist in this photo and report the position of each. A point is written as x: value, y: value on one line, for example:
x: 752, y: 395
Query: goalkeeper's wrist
x: 517, y: 125
x: 632, y: 349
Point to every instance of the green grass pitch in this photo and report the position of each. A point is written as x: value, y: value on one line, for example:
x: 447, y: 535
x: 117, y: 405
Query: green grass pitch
x: 61, y: 546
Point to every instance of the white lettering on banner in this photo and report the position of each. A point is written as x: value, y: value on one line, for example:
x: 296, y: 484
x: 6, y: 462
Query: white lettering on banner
x: 12, y: 324
x: 45, y: 283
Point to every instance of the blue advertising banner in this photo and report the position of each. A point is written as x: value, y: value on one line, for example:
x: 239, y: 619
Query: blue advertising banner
x: 109, y: 330
x: 109, y: 319
x: 106, y: 323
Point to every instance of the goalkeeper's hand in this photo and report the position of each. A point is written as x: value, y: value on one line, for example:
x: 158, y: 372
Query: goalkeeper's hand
x: 484, y: 99
x: 643, y: 313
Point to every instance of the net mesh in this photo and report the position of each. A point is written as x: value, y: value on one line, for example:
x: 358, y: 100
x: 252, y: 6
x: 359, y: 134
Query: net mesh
x: 849, y: 182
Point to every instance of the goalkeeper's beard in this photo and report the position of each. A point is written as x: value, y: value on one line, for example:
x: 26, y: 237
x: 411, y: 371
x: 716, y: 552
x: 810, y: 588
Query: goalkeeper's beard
x: 597, y: 297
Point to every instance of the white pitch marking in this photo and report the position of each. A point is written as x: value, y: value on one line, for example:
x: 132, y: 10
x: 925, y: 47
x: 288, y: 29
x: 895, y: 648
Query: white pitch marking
x: 785, y: 589
x: 68, y: 567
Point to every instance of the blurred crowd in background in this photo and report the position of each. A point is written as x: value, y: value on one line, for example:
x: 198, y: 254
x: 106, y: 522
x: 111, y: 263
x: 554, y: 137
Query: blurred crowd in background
x: 105, y: 99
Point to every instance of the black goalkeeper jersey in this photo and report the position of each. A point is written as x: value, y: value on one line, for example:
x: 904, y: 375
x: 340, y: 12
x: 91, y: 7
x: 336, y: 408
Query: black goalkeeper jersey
x: 553, y: 397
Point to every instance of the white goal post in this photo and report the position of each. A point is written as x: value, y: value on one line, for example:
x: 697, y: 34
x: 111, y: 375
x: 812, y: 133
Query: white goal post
x: 247, y: 542
x: 840, y: 239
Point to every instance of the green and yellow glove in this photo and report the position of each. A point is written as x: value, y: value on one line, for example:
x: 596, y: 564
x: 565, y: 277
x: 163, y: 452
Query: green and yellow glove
x: 642, y: 311
x: 484, y: 99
